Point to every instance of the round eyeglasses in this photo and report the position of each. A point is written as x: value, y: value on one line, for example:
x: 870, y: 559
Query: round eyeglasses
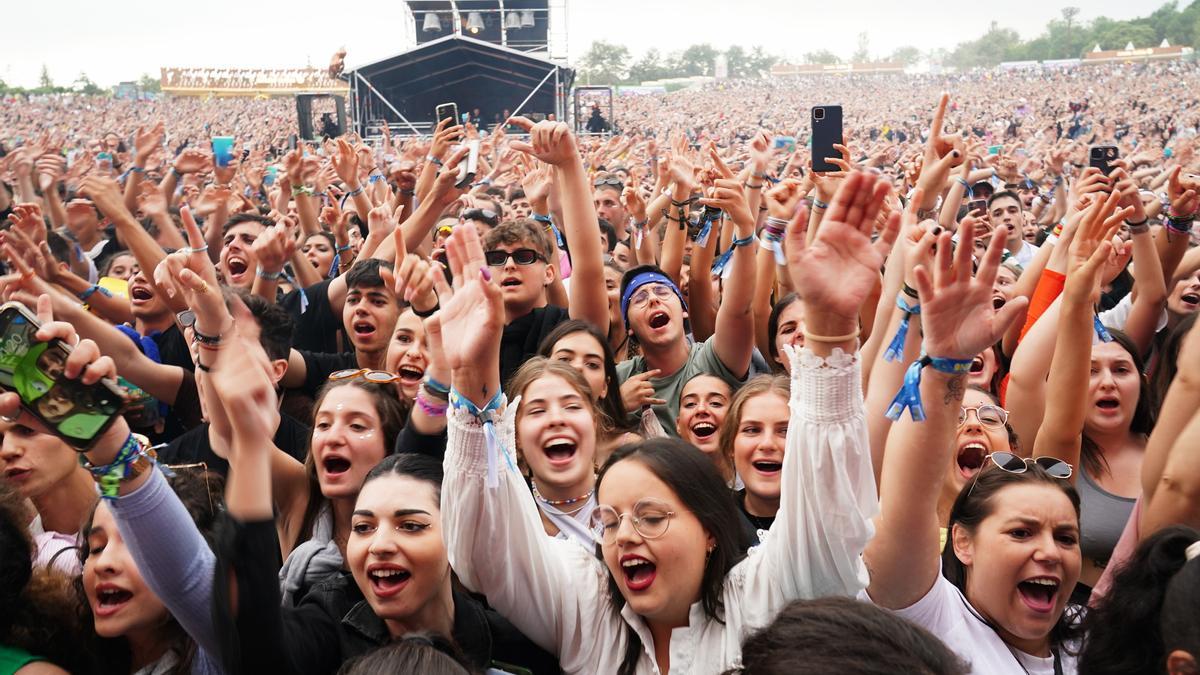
x: 650, y: 519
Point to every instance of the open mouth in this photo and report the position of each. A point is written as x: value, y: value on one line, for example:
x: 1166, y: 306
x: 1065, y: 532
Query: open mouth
x: 560, y: 451
x: 387, y: 581
x: 977, y: 365
x: 1108, y: 404
x: 236, y: 266
x: 998, y: 301
x: 764, y: 466
x: 110, y: 600
x: 659, y: 319
x: 363, y: 328
x: 639, y: 573
x: 970, y: 458
x: 1190, y: 299
x: 510, y: 282
x: 314, y: 262
x: 140, y: 293
x: 1039, y: 593
x: 335, y: 466
x: 704, y: 430
x: 410, y: 375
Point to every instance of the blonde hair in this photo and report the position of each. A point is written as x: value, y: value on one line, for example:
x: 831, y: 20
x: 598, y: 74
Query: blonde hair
x: 538, y: 367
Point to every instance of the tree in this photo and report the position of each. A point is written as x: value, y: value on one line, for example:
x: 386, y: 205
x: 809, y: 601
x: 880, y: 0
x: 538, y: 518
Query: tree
x: 149, y: 84
x: 990, y: 49
x: 861, y: 54
x: 821, y: 56
x: 738, y: 61
x: 605, y: 63
x: 908, y: 55
x: 698, y: 60
x: 84, y: 85
x: 760, y: 62
x: 45, y: 84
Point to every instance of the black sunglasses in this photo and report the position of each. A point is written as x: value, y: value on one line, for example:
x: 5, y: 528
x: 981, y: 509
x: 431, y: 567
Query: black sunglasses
x: 1012, y: 463
x: 521, y: 256
x: 611, y: 180
x: 486, y: 215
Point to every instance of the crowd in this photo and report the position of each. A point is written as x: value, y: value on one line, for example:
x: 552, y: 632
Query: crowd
x: 661, y: 401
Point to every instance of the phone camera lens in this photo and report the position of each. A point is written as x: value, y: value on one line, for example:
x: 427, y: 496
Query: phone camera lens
x: 818, y: 113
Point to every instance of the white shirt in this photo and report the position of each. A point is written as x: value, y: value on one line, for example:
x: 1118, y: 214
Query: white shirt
x: 945, y: 612
x: 557, y: 593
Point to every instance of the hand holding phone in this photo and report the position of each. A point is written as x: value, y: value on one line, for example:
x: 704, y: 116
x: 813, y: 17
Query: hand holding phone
x: 826, y: 133
x: 35, y: 370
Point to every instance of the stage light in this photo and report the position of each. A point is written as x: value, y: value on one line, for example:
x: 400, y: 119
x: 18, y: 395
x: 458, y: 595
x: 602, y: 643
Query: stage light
x: 474, y: 22
x: 432, y: 23
x: 512, y: 20
x: 527, y: 19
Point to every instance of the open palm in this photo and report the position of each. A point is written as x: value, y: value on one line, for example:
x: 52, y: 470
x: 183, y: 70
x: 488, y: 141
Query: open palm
x: 840, y: 268
x: 958, y: 318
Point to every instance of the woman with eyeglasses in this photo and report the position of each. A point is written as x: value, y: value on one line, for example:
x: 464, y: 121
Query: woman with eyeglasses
x: 668, y: 588
x: 998, y: 594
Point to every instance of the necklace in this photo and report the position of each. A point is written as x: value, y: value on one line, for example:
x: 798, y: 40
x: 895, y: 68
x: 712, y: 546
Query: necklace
x: 561, y: 502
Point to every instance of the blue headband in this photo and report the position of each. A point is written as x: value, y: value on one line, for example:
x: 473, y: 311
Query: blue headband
x: 649, y: 277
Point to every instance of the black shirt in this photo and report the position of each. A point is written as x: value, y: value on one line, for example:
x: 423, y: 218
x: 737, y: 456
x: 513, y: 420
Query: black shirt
x: 318, y: 366
x: 522, y: 337
x: 750, y: 522
x: 333, y: 622
x: 316, y: 329
x: 193, y: 447
x: 173, y: 348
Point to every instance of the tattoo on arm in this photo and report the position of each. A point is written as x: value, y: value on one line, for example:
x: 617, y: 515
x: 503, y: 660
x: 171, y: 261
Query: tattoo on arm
x: 954, y: 390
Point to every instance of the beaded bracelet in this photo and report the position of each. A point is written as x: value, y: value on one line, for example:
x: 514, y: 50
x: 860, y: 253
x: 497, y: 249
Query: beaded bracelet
x: 909, y: 396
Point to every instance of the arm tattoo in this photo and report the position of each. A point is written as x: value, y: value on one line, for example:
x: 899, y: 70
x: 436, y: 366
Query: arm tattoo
x: 954, y: 390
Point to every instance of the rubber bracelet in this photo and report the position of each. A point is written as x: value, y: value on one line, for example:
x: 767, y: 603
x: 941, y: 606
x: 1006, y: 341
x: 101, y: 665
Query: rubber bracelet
x: 436, y: 386
x: 818, y: 204
x: 434, y: 160
x: 269, y: 276
x: 427, y: 313
x: 831, y: 339
x: 355, y: 192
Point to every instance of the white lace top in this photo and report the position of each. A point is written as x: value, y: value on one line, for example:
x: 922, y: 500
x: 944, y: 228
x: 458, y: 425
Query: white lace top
x: 557, y: 593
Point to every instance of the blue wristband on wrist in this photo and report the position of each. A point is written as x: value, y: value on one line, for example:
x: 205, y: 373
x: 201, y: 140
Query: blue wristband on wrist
x: 909, y: 396
x: 895, y: 350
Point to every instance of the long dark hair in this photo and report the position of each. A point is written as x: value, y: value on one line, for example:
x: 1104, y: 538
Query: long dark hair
x: 692, y: 477
x: 1091, y: 455
x: 1122, y: 632
x: 610, y: 404
x: 773, y: 327
x: 976, y: 502
x: 421, y: 467
x: 1180, y: 629
x: 201, y: 494
x: 392, y: 415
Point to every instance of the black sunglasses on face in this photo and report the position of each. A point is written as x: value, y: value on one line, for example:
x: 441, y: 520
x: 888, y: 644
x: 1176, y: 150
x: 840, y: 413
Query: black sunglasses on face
x: 521, y: 256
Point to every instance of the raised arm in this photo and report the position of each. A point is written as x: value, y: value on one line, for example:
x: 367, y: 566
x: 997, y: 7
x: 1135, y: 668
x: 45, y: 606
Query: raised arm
x: 734, y: 336
x: 554, y: 144
x: 1066, y: 389
x: 827, y: 497
x: 1171, y: 468
x: 959, y: 321
x: 1149, y: 286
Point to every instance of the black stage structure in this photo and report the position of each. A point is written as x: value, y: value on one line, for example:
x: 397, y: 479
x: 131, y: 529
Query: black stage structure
x: 403, y: 90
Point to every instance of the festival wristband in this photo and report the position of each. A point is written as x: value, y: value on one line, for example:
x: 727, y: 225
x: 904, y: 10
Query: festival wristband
x: 909, y: 396
x: 895, y: 349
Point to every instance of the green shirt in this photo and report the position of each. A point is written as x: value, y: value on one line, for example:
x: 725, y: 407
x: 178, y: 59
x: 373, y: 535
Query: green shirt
x: 702, y: 360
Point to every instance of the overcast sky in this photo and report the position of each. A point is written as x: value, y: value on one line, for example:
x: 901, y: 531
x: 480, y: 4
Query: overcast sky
x: 119, y: 41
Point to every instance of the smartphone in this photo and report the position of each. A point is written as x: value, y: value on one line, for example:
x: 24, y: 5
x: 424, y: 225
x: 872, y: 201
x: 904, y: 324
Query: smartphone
x: 291, y: 141
x: 826, y: 132
x: 222, y: 150
x: 77, y: 413
x: 1102, y: 157
x: 269, y: 178
x: 469, y: 166
x: 447, y: 111
x: 979, y: 205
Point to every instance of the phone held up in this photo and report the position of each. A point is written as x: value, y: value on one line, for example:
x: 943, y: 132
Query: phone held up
x: 1103, y: 157
x: 826, y: 132
x: 447, y: 111
x: 77, y: 413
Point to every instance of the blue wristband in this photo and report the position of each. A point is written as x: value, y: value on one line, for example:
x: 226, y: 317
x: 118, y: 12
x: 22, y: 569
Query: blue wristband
x: 1101, y: 331
x: 895, y: 350
x: 909, y: 396
x: 88, y: 293
x: 721, y: 266
x: 486, y: 415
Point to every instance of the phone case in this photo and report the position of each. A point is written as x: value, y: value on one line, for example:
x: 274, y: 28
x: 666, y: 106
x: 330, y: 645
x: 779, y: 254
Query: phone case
x: 1102, y: 157
x: 826, y: 132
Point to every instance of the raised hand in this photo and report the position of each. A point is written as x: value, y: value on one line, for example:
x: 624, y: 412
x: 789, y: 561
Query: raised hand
x: 273, y: 247
x: 1091, y: 247
x: 28, y: 218
x: 345, y: 162
x: 958, y: 318
x: 837, y: 272
x: 1183, y: 194
x: 446, y: 135
x: 104, y: 193
x: 472, y: 322
x: 239, y: 371
x: 145, y: 142
x: 189, y: 273
x: 729, y: 196
x: 550, y: 142
x: 193, y: 161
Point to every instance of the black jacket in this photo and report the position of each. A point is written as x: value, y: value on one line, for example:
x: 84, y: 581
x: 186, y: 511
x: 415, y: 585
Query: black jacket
x: 333, y: 623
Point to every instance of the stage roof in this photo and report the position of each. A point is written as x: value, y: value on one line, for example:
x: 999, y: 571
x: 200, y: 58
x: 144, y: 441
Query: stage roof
x: 459, y: 69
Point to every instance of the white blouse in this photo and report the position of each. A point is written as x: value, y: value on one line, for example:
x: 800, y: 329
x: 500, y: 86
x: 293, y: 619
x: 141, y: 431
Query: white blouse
x: 557, y: 593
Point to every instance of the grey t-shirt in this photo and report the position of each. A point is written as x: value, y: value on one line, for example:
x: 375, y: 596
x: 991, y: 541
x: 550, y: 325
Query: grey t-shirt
x: 702, y: 360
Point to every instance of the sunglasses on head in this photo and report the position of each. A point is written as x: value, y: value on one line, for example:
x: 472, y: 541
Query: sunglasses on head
x: 372, y: 376
x: 612, y: 181
x: 486, y: 215
x: 1012, y: 463
x: 521, y: 256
